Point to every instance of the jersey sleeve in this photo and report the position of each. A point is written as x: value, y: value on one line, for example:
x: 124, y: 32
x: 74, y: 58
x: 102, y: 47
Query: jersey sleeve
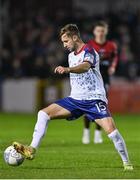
x: 90, y: 56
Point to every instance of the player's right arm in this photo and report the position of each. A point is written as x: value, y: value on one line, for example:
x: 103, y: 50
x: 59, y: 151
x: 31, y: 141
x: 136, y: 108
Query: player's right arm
x: 89, y: 60
x: 84, y: 67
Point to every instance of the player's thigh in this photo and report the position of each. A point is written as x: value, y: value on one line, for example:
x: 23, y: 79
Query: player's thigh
x: 107, y: 124
x: 56, y: 112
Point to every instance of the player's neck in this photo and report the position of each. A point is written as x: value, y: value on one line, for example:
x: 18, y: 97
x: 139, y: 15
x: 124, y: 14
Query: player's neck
x: 100, y: 41
x: 79, y: 46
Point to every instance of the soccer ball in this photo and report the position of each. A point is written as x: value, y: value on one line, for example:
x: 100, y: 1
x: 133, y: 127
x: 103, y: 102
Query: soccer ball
x: 12, y: 157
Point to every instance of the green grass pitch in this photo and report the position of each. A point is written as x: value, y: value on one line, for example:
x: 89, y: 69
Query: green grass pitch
x: 61, y: 153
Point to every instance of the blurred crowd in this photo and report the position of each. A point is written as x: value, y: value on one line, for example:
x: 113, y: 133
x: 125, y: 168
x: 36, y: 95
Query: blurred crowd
x: 32, y: 48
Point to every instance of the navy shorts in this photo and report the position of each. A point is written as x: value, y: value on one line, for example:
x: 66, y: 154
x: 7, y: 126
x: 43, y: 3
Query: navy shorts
x: 93, y: 109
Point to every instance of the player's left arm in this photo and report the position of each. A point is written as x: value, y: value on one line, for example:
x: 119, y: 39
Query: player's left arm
x: 114, y: 63
x: 81, y: 68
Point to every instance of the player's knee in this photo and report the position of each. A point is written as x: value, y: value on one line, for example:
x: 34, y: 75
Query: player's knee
x: 110, y: 129
x: 44, y: 111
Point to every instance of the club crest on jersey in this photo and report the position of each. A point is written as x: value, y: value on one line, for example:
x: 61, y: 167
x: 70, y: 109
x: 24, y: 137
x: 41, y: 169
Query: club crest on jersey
x: 88, y: 56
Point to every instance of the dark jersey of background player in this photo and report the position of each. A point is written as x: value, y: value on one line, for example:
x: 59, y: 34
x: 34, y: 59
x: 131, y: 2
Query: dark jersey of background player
x: 108, y: 59
x: 107, y: 51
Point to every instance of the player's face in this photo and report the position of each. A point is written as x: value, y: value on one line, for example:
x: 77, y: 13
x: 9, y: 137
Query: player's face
x: 68, y: 42
x: 100, y: 32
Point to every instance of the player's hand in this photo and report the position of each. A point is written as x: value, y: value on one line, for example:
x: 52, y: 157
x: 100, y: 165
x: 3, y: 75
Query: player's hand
x: 111, y: 71
x: 61, y: 70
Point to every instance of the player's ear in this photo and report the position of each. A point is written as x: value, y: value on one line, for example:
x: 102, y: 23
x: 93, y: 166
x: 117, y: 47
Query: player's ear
x: 75, y: 37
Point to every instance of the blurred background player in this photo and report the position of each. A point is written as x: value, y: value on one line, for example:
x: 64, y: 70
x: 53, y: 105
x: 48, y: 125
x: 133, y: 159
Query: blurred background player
x: 107, y: 51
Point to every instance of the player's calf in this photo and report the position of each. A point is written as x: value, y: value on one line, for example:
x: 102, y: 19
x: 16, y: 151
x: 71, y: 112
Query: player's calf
x: 108, y: 125
x: 43, y: 118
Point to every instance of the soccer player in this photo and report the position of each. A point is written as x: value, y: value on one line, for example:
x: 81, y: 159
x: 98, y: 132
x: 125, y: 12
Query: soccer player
x: 87, y: 96
x: 107, y: 51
